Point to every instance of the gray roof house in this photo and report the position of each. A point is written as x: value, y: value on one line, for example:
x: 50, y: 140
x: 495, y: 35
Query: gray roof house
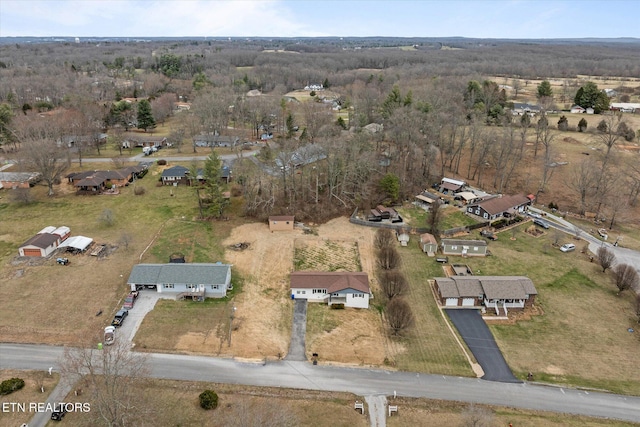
x: 495, y: 292
x: 175, y: 175
x: 201, y: 280
x: 464, y: 247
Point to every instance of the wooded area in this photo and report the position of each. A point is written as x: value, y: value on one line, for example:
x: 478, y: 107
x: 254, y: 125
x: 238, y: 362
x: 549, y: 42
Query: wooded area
x: 415, y: 110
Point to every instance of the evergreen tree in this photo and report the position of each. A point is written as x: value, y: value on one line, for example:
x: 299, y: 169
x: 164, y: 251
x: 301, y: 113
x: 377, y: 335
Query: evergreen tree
x: 582, y: 125
x: 214, y: 201
x: 145, y: 116
x: 545, y: 90
x: 563, y: 123
x: 589, y: 96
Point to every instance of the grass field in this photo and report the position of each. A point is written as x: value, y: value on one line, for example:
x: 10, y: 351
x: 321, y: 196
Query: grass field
x: 30, y: 393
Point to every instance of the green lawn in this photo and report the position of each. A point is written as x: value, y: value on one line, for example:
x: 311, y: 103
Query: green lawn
x: 451, y: 217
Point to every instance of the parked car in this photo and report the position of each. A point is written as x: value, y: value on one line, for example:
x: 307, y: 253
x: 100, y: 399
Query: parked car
x: 130, y: 300
x: 59, y: 414
x: 109, y: 335
x: 603, y: 233
x: 534, y: 214
x: 541, y: 223
x: 488, y: 234
x: 568, y: 247
x: 119, y: 317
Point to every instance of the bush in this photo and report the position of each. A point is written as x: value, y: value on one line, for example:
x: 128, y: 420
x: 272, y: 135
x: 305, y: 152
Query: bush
x: 162, y: 162
x: 208, y: 399
x: 139, y: 191
x: 11, y: 385
x: 337, y: 306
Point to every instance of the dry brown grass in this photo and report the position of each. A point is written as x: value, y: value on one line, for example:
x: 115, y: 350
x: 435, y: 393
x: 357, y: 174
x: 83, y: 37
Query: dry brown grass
x: 30, y: 393
x: 175, y: 403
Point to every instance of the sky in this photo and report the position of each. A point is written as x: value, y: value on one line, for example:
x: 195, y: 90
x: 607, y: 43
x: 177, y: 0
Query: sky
x: 522, y: 19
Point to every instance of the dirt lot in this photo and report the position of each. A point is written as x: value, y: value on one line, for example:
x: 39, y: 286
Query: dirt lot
x: 264, y: 308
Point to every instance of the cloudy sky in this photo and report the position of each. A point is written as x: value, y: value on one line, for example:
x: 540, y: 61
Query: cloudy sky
x: 302, y: 18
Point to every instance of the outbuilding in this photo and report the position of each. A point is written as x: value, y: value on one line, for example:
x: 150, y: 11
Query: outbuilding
x: 281, y: 223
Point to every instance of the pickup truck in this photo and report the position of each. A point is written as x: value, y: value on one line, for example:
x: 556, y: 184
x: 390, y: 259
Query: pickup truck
x: 130, y: 300
x: 119, y: 318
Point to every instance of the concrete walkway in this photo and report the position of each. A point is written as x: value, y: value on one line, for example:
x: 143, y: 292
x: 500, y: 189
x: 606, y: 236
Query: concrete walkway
x: 298, y: 331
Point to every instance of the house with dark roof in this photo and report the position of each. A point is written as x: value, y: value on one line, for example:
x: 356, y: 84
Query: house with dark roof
x: 348, y: 288
x: 175, y: 175
x: 464, y: 247
x: 493, y: 292
x: 451, y: 186
x: 499, y: 206
x: 199, y: 279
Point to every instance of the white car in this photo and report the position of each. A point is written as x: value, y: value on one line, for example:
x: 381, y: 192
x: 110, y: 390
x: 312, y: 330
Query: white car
x: 534, y: 214
x: 568, y: 247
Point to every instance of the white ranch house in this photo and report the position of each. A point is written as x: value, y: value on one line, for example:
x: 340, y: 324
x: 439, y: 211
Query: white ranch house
x: 192, y: 280
x: 350, y: 289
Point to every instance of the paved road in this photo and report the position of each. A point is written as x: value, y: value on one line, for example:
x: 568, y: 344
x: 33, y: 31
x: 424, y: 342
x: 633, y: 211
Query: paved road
x: 298, y: 331
x: 362, y: 382
x: 158, y: 155
x: 623, y: 255
x: 377, y: 406
x: 479, y: 339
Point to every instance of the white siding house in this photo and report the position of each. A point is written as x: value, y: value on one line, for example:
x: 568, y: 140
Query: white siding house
x: 350, y: 289
x: 209, y: 280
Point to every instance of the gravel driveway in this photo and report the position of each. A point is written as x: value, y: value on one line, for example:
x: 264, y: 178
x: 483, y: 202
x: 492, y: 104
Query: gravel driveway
x: 298, y: 331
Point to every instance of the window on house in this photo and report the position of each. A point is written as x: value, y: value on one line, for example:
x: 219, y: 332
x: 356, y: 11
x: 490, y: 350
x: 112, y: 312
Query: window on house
x: 454, y: 247
x: 215, y: 287
x: 485, y: 216
x: 287, y: 222
x: 168, y: 286
x: 475, y: 248
x: 191, y: 286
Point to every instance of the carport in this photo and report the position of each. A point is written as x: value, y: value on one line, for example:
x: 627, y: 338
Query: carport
x: 478, y: 337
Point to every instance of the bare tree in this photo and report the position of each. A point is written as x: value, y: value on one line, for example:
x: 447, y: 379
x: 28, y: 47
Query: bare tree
x: 113, y: 377
x: 40, y: 153
x: 477, y: 416
x: 583, y: 181
x: 388, y: 258
x: 606, y: 258
x: 126, y: 239
x: 638, y: 306
x: 107, y: 217
x: 22, y: 195
x: 393, y: 283
x: 399, y: 316
x: 434, y: 217
x: 384, y: 238
x: 626, y: 277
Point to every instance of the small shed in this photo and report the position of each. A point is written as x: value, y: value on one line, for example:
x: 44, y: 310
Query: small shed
x: 77, y: 244
x: 428, y: 244
x: 403, y: 237
x: 281, y: 223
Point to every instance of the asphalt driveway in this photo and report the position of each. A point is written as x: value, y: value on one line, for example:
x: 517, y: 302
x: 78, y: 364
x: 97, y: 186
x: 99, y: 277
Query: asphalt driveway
x: 478, y: 337
x: 298, y: 331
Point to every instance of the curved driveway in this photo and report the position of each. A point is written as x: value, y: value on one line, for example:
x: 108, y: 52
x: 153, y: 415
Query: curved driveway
x: 363, y: 382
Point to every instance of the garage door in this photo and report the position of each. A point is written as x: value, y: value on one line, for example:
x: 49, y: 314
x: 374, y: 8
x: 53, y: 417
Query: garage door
x: 451, y: 302
x: 468, y: 302
x: 32, y: 252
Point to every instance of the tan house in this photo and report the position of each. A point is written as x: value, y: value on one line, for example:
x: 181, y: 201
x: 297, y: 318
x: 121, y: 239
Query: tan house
x: 428, y: 244
x: 281, y: 223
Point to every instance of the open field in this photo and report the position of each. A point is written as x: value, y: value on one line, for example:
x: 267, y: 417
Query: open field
x: 30, y: 393
x: 175, y: 403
